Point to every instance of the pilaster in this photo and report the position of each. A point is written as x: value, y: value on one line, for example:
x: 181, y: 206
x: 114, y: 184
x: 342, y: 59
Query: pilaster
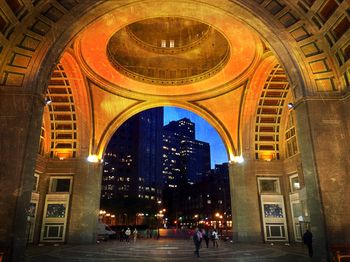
x: 244, y: 203
x: 20, y: 124
x: 85, y: 202
x: 324, y: 148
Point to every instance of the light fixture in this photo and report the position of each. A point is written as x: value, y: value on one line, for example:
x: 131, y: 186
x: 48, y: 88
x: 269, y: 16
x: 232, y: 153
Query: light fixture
x: 92, y: 158
x: 291, y: 106
x: 238, y: 159
x: 47, y: 101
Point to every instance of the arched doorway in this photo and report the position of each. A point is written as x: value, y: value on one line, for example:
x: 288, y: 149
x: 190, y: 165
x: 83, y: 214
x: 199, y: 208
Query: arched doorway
x: 311, y: 71
x: 179, y: 169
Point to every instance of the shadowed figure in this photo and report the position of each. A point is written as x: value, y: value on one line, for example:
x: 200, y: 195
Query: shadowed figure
x: 307, y: 240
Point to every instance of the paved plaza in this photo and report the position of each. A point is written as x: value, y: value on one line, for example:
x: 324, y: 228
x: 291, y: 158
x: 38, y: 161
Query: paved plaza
x: 166, y: 250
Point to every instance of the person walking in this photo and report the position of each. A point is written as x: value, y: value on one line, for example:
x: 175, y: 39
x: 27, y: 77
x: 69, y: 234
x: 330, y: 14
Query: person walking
x: 307, y: 240
x: 135, y: 234
x: 215, y: 238
x: 127, y: 234
x: 197, y: 239
x: 122, y: 235
x: 205, y: 234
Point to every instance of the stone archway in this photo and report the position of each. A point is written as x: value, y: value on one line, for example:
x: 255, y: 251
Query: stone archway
x: 33, y: 46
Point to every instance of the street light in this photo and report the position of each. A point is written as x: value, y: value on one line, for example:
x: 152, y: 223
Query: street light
x: 217, y: 215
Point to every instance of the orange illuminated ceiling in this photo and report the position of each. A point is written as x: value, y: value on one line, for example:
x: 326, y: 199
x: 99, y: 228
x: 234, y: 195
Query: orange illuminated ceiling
x: 130, y: 51
x: 193, y: 56
x: 168, y: 51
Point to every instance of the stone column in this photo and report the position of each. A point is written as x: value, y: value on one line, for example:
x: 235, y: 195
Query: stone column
x: 324, y: 148
x: 20, y: 124
x: 85, y: 202
x: 244, y: 203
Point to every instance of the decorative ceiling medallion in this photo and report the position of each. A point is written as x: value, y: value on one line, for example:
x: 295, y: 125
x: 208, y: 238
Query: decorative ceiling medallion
x: 168, y: 51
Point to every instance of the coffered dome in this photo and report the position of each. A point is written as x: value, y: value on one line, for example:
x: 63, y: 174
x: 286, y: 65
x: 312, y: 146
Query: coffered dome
x: 168, y: 51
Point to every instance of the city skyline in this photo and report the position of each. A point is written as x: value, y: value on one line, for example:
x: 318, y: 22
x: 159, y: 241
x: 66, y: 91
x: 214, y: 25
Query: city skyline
x: 204, y: 132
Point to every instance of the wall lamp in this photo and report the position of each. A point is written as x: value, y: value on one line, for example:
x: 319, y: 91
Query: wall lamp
x: 237, y: 159
x: 291, y: 106
x: 93, y: 159
x: 47, y: 101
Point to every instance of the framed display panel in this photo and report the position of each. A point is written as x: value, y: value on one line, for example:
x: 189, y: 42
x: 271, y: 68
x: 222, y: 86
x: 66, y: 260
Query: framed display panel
x: 55, y: 218
x: 274, y: 218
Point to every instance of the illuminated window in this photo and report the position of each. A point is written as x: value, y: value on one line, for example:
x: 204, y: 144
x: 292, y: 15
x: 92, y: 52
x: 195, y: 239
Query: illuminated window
x: 172, y: 43
x: 36, y: 182
x: 163, y: 43
x: 269, y: 112
x: 294, y: 183
x: 41, y: 149
x: 62, y: 115
x: 291, y: 145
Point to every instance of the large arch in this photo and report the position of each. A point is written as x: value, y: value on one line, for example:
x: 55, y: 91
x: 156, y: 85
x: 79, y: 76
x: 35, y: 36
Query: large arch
x: 120, y: 119
x: 311, y: 47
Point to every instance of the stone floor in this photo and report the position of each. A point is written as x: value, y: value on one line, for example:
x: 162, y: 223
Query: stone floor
x: 166, y: 250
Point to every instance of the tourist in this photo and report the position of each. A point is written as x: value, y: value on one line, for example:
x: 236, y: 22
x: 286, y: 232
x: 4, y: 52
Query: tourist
x: 197, y: 239
x: 215, y: 238
x: 135, y: 234
x: 127, y: 234
x: 122, y: 235
x: 205, y: 234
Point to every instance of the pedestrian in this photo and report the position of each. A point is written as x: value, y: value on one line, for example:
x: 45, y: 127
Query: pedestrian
x: 205, y: 234
x: 215, y: 238
x: 148, y: 233
x: 197, y: 239
x: 127, y: 234
x: 135, y: 234
x: 307, y: 240
x: 122, y: 235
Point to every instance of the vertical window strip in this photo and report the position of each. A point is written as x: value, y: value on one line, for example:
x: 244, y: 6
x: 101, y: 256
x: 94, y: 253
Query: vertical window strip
x: 62, y: 116
x: 269, y: 112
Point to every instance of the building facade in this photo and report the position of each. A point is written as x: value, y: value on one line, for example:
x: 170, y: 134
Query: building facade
x: 205, y: 203
x: 185, y: 159
x: 132, y: 165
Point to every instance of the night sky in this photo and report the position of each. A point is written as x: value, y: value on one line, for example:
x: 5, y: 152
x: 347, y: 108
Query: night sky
x: 204, y: 132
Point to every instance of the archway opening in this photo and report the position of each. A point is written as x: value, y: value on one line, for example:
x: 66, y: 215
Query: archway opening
x: 165, y: 172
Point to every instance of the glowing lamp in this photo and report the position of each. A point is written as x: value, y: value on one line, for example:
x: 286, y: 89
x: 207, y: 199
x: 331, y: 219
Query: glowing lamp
x: 267, y: 156
x: 238, y: 159
x: 47, y: 101
x: 92, y: 158
x: 290, y: 105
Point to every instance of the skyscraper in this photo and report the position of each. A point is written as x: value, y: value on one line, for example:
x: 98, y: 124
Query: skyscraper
x: 185, y: 159
x: 132, y: 162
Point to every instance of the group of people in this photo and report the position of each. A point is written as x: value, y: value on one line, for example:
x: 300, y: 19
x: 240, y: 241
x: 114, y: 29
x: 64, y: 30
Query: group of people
x: 205, y: 235
x: 126, y: 235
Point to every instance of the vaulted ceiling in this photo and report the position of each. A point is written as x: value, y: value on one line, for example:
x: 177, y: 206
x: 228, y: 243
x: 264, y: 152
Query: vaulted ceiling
x: 111, y: 59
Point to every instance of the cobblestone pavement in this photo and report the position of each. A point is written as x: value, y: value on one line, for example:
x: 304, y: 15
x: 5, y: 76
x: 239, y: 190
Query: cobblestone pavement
x: 166, y: 250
